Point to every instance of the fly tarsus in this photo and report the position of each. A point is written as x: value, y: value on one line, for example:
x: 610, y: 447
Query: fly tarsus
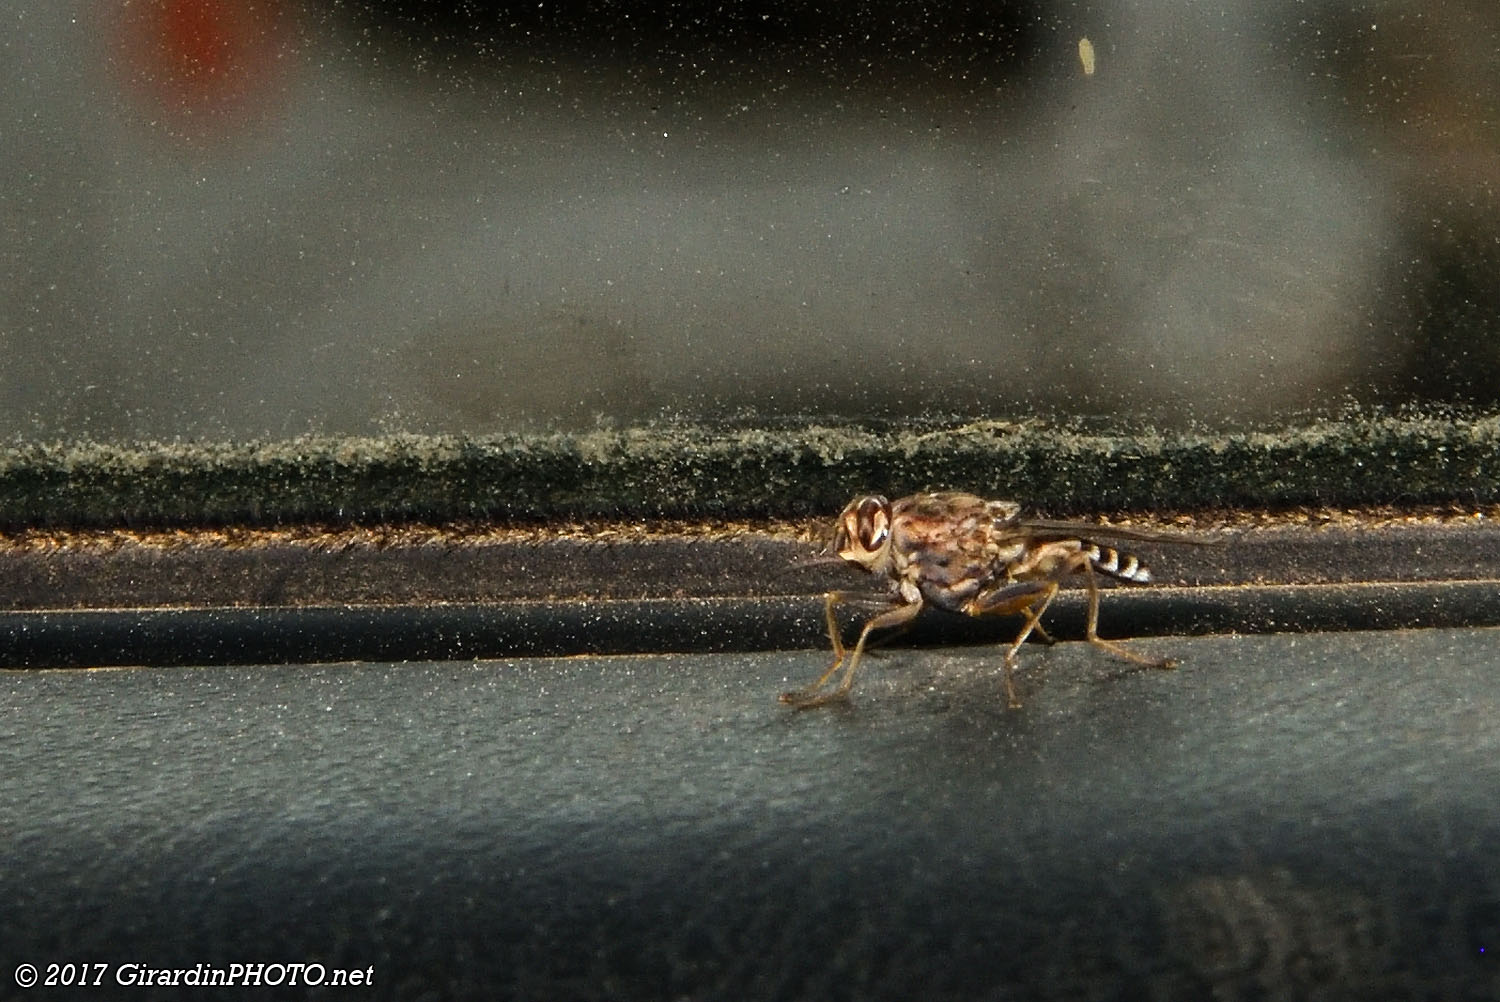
x: 815, y: 695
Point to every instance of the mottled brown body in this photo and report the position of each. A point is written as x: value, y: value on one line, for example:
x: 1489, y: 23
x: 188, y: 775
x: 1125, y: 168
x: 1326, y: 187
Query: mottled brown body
x: 964, y: 554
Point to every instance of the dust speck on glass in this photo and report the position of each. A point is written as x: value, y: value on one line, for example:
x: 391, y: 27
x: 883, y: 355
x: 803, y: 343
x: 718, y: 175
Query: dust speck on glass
x: 346, y: 216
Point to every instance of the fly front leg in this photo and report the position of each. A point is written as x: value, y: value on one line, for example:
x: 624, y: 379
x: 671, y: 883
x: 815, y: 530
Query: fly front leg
x: 832, y: 599
x: 834, y: 633
x: 815, y: 695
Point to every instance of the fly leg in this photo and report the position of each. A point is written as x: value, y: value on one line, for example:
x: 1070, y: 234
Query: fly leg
x: 814, y: 695
x: 1033, y: 614
x: 1092, y: 634
x: 1030, y: 599
x: 1047, y: 638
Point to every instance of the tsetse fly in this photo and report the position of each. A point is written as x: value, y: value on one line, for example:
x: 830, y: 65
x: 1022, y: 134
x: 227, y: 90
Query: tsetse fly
x: 964, y: 554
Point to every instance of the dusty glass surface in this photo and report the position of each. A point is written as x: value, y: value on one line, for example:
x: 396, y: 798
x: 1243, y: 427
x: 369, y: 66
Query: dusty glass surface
x: 242, y: 220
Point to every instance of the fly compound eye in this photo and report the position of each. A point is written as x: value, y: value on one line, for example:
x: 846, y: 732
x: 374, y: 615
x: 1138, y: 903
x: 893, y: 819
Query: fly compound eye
x: 847, y: 531
x: 874, y: 519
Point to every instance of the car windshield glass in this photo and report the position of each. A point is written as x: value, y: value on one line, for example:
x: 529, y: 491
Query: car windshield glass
x: 246, y: 221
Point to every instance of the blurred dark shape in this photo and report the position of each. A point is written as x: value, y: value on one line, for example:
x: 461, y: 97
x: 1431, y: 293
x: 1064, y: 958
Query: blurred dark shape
x: 882, y: 42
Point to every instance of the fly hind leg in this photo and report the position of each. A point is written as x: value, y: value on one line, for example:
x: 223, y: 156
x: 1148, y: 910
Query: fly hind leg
x: 1092, y: 634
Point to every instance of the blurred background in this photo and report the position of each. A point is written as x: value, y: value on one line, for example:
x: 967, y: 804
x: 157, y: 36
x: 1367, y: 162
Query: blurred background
x: 270, y: 217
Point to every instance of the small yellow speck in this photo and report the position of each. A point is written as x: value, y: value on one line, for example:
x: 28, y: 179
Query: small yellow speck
x: 1086, y: 56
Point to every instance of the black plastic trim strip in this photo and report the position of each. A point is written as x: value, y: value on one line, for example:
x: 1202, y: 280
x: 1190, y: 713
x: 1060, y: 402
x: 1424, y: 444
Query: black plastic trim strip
x: 310, y: 634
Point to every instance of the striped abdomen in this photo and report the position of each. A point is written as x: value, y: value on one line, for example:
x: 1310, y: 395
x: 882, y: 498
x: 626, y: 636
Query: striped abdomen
x: 1125, y: 566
